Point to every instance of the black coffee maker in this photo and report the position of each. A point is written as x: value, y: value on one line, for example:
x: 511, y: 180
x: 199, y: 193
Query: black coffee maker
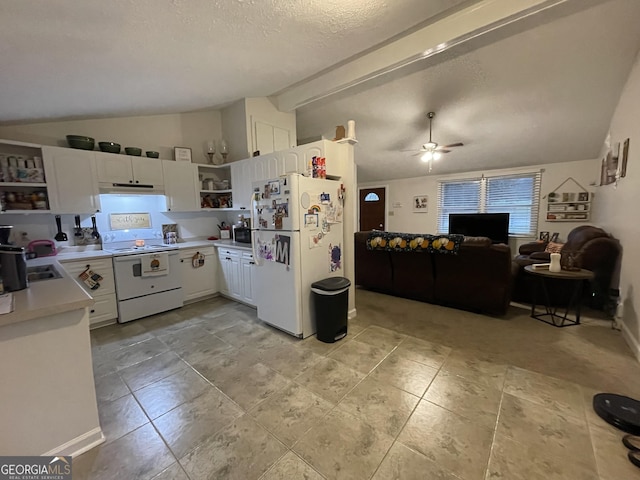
x: 13, y: 262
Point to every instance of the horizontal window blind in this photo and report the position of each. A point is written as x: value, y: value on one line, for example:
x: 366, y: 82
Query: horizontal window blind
x: 518, y: 195
x: 457, y: 197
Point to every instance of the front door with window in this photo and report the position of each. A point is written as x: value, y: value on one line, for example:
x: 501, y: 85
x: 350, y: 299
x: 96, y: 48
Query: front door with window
x: 372, y: 205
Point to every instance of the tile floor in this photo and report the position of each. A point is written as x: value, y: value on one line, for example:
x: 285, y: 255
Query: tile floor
x: 415, y: 391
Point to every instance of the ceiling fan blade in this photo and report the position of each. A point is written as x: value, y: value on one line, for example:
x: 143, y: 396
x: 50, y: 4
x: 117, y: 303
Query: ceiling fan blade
x: 412, y: 150
x: 459, y: 144
x: 442, y: 150
x: 416, y: 154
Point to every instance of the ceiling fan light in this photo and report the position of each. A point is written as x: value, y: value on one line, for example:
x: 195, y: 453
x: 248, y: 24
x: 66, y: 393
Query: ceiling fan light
x: 436, y: 155
x: 426, y: 156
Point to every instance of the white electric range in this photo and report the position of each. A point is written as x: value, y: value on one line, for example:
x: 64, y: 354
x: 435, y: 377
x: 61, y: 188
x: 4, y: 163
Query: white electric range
x: 139, y: 292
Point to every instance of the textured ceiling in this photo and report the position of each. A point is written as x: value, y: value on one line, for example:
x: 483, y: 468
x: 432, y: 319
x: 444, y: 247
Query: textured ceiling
x: 90, y: 58
x: 544, y: 95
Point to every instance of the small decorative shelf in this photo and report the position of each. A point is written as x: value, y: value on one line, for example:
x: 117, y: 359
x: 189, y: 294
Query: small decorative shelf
x: 569, y: 205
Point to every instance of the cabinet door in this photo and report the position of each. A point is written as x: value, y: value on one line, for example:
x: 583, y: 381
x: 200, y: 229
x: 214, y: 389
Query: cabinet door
x: 224, y: 275
x: 265, y: 167
x: 236, y: 277
x: 101, y: 266
x: 201, y: 281
x: 241, y: 183
x: 247, y: 266
x: 180, y: 186
x: 269, y: 138
x: 113, y: 168
x: 281, y: 139
x: 290, y: 162
x: 263, y: 138
x: 147, y: 171
x: 230, y: 282
x: 73, y: 180
x: 306, y: 154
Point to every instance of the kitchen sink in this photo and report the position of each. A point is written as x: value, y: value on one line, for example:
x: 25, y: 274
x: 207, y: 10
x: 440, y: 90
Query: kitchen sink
x: 42, y: 272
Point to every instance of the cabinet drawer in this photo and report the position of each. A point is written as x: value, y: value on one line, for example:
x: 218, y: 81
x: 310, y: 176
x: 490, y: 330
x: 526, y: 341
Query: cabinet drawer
x: 105, y: 308
x: 188, y: 253
x: 102, y: 267
x: 247, y: 255
x: 226, y: 252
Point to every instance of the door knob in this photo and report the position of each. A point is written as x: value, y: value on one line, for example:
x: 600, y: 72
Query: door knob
x: 380, y: 225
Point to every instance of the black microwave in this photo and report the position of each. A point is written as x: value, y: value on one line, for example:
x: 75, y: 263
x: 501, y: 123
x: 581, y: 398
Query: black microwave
x: 242, y: 234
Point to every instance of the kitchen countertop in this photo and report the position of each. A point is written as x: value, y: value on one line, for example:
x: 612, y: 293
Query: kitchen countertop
x: 232, y: 244
x: 48, y: 297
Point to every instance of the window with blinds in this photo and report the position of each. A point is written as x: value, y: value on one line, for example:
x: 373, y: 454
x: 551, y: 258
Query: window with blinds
x: 517, y: 195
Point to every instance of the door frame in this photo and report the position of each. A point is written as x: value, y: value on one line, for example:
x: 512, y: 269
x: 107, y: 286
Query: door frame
x: 386, y: 203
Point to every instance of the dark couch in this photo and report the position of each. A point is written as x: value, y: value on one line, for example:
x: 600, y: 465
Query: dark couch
x: 478, y: 278
x: 591, y: 248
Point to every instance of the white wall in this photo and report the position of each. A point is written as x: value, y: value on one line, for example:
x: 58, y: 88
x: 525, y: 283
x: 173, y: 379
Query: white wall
x: 401, y: 192
x: 616, y: 206
x: 154, y: 132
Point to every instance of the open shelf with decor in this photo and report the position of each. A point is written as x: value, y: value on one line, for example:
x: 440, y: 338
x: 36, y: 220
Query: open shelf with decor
x: 215, y: 186
x: 23, y: 187
x: 569, y: 206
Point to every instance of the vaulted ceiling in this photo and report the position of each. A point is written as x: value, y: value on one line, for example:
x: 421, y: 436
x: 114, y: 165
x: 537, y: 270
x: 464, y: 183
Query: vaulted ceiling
x: 535, y: 86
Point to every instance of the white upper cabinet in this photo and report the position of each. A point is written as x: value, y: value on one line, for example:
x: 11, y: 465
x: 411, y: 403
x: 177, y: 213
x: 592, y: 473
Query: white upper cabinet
x: 273, y: 165
x: 72, y: 180
x: 268, y: 138
x: 180, y: 186
x: 241, y: 175
x: 124, y: 169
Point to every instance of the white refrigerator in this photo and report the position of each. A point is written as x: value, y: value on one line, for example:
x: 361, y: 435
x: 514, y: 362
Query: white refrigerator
x: 297, y: 239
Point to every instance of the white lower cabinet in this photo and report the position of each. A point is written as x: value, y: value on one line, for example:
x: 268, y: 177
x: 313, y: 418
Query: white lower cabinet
x: 236, y: 274
x: 198, y: 282
x: 246, y: 266
x: 106, y: 307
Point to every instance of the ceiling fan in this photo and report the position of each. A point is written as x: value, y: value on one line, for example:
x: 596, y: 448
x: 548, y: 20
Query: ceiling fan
x: 431, y: 150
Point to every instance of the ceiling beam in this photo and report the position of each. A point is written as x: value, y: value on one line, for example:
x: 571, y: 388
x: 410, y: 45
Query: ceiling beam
x: 461, y: 31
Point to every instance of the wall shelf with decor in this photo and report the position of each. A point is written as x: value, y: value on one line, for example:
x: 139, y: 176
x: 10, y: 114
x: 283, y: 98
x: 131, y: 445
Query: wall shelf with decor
x: 215, y: 187
x: 569, y: 206
x: 23, y: 187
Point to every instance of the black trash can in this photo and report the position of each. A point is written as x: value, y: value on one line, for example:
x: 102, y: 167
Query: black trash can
x: 331, y: 305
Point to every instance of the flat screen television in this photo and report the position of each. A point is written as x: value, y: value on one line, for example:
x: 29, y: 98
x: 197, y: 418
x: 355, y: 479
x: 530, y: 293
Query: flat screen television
x: 492, y: 225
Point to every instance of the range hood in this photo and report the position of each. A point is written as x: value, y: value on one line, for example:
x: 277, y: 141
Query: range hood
x: 131, y: 188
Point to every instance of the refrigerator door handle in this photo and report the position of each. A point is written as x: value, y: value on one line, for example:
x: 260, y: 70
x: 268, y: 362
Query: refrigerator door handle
x: 253, y: 248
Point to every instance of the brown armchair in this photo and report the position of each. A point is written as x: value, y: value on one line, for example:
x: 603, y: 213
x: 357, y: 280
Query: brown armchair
x: 590, y: 247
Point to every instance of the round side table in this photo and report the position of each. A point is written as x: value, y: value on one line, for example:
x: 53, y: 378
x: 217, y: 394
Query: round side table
x: 550, y: 314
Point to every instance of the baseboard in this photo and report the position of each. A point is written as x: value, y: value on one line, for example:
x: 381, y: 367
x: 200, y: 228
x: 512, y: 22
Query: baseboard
x: 352, y: 314
x: 630, y: 339
x: 79, y: 445
x: 200, y: 299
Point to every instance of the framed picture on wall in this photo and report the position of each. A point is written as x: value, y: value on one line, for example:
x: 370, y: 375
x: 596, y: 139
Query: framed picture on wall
x: 421, y: 203
x: 625, y: 157
x: 182, y: 154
